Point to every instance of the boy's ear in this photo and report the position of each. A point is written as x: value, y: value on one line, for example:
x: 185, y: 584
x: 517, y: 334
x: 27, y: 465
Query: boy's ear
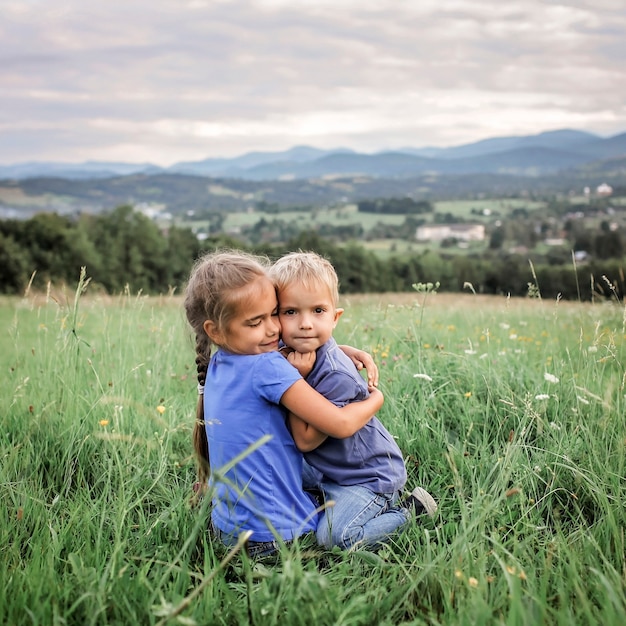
x: 338, y: 314
x: 210, y: 328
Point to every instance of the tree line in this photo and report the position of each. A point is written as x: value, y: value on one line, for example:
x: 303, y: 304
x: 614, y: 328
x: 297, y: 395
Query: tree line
x: 395, y: 206
x: 124, y: 249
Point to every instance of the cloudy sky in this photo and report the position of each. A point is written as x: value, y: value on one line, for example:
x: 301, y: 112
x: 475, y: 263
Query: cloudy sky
x: 164, y: 81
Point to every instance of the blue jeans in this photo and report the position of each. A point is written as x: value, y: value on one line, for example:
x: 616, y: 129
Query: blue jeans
x: 254, y: 549
x: 359, y: 517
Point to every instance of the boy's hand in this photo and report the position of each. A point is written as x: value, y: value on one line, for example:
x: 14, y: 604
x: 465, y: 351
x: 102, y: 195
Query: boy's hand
x: 302, y: 361
x: 286, y: 351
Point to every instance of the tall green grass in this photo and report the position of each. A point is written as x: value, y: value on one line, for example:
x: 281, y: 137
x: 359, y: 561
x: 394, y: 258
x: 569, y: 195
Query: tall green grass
x: 511, y: 412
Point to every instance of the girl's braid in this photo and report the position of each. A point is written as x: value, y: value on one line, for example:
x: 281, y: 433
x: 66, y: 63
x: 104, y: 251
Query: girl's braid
x: 200, y: 443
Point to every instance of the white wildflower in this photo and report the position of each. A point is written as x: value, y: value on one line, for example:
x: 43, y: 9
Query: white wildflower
x: 513, y: 336
x: 551, y: 378
x: 582, y: 400
x: 555, y: 426
x: 504, y: 326
x: 542, y: 396
x: 423, y: 377
x: 470, y: 351
x: 592, y: 349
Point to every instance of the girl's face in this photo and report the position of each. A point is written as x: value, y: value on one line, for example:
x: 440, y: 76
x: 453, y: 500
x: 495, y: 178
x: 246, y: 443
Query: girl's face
x: 255, y: 328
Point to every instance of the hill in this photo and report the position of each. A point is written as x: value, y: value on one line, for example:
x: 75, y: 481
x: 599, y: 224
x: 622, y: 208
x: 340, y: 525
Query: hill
x: 533, y: 155
x: 558, y: 162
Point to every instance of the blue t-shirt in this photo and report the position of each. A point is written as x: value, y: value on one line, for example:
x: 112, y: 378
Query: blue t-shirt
x: 263, y: 491
x: 370, y: 458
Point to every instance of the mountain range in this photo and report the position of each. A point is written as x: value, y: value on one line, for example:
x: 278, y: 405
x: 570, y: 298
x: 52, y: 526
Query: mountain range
x: 532, y: 155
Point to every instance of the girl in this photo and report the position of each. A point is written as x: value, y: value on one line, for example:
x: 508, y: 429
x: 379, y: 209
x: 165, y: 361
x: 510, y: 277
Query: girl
x: 246, y: 388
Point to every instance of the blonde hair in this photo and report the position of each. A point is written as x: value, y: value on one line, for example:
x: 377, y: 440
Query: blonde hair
x: 307, y: 268
x: 213, y: 293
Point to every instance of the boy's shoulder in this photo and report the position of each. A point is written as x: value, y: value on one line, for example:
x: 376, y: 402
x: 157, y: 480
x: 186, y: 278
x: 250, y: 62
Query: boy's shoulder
x: 335, y: 376
x: 331, y: 358
x: 329, y: 348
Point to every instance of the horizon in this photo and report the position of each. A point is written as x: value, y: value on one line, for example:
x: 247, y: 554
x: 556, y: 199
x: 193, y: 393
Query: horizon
x: 303, y: 146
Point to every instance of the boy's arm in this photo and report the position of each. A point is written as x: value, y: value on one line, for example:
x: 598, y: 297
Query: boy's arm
x: 305, y: 436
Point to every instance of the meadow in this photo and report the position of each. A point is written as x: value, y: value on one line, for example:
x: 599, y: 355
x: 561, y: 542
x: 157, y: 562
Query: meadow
x: 348, y: 214
x: 509, y: 411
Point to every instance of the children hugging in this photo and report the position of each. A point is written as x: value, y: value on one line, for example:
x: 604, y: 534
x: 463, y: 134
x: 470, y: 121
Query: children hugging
x: 314, y: 405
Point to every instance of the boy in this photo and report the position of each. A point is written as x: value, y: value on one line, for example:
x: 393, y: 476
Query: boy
x: 363, y: 474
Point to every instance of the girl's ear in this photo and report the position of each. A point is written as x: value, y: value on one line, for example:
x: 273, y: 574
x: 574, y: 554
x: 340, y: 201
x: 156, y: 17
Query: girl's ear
x: 210, y: 328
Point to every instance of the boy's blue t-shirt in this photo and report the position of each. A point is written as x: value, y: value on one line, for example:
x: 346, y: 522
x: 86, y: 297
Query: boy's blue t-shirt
x: 370, y: 458
x: 263, y: 491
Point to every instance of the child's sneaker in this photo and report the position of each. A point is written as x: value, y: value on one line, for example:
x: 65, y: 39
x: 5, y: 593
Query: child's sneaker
x: 421, y: 502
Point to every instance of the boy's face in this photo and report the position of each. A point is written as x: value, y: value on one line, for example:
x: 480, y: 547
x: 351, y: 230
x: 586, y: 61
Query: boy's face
x: 307, y: 316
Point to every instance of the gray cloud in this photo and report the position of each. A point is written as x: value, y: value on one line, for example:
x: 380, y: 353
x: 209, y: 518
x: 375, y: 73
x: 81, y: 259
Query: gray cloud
x: 170, y: 80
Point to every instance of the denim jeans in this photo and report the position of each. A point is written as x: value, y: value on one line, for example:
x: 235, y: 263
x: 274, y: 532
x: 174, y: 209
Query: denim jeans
x: 359, y: 517
x: 254, y: 549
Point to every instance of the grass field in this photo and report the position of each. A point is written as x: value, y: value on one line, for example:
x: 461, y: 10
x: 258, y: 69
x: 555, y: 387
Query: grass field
x: 511, y: 412
x: 349, y: 214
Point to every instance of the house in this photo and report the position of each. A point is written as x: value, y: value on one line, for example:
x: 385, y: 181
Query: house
x: 461, y: 232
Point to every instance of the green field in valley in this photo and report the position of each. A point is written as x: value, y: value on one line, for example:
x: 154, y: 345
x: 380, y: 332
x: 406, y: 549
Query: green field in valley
x: 349, y: 214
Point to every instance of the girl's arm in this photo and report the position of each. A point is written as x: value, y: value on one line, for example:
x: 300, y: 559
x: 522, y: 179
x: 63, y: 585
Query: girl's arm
x: 305, y: 435
x: 340, y: 422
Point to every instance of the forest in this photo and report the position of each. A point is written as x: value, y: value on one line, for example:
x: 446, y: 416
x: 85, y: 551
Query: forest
x: 125, y: 250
